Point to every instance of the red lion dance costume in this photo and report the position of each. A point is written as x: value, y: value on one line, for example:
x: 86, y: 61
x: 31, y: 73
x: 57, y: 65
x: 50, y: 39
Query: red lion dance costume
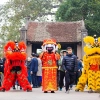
x: 49, y: 59
x: 15, y: 68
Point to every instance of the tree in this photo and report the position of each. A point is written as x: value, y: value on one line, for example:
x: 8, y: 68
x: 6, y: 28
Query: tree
x: 88, y: 10
x: 13, y: 13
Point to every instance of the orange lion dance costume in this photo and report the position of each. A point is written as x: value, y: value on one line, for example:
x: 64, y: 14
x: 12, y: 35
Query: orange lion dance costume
x: 15, y: 68
x: 49, y: 58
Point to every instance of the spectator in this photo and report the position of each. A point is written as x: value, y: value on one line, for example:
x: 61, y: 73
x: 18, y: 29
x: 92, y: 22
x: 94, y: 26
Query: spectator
x: 2, y: 62
x: 61, y: 70
x: 34, y: 69
x: 28, y: 64
x: 39, y: 72
x: 79, y: 70
x: 81, y: 63
x: 69, y: 64
x: 64, y: 53
x: 1, y: 70
x: 57, y: 62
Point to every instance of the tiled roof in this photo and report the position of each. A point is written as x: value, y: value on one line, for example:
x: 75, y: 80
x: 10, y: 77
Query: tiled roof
x: 61, y: 31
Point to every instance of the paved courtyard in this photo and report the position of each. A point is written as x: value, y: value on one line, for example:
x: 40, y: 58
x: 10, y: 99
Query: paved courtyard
x: 37, y: 94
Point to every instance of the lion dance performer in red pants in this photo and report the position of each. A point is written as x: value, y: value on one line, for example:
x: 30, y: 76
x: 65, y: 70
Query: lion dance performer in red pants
x: 15, y: 68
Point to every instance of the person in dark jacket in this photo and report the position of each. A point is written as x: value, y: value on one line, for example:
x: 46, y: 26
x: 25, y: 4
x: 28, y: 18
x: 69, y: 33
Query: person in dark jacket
x: 69, y: 64
x: 79, y: 70
x: 4, y: 59
x: 34, y: 69
x: 1, y: 65
x: 28, y: 64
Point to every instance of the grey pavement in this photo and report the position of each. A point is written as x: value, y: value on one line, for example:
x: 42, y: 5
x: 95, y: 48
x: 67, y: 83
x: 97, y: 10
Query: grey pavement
x: 37, y: 94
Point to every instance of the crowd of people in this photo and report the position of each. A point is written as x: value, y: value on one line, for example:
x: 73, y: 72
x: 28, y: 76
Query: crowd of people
x: 34, y: 70
x: 69, y: 67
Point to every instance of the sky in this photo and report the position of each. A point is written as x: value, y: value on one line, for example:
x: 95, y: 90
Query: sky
x: 3, y: 1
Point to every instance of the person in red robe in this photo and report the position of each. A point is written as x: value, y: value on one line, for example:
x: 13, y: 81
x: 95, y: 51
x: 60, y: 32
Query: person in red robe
x: 49, y: 65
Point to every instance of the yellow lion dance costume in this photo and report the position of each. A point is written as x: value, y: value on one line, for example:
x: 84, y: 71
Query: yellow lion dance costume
x: 91, y: 69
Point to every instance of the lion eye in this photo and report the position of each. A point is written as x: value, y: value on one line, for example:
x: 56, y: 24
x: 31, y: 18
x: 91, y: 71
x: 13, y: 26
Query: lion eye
x: 88, y: 45
x: 9, y: 48
x: 22, y: 50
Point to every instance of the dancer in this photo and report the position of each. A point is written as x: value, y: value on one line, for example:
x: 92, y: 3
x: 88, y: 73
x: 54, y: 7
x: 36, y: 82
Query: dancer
x: 15, y: 68
x: 91, y: 69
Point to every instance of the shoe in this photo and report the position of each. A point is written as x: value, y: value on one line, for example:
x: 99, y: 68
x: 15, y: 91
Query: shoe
x: 29, y: 90
x: 90, y: 91
x: 60, y: 89
x: 71, y: 88
x: 45, y: 92
x: 20, y: 88
x: 34, y: 87
x: 77, y: 90
x: 2, y: 90
x: 37, y: 86
x: 52, y: 92
x: 97, y: 91
x: 14, y: 88
x: 67, y: 91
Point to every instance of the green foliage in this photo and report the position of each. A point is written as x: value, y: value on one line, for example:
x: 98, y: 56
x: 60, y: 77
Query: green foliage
x: 88, y: 10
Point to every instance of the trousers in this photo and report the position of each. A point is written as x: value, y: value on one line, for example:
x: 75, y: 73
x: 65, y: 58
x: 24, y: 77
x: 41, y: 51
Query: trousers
x: 69, y: 79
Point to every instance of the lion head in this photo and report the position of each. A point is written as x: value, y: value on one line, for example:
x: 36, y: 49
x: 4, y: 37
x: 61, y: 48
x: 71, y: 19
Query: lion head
x: 15, y: 52
x: 92, y: 51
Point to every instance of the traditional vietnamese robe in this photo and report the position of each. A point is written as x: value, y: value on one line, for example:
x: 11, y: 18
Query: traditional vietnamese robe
x: 49, y: 71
